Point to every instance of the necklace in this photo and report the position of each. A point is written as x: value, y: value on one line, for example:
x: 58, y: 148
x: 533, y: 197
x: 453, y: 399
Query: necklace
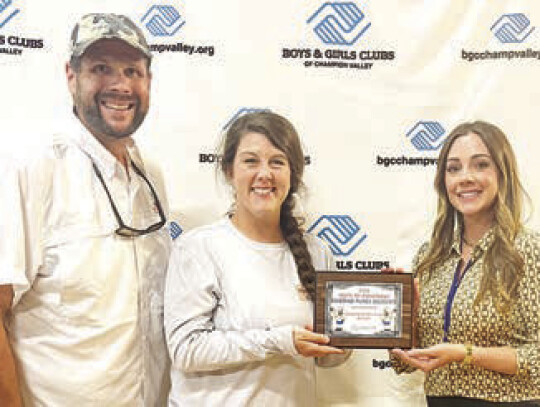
x: 466, y: 242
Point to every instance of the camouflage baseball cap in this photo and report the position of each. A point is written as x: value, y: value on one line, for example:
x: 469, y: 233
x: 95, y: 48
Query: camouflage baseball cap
x: 98, y: 26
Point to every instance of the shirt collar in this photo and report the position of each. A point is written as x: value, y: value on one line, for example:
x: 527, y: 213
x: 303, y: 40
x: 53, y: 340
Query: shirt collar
x: 104, y: 160
x: 481, y: 246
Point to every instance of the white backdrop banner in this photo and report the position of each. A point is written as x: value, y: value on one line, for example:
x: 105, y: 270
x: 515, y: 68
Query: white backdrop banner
x: 373, y: 88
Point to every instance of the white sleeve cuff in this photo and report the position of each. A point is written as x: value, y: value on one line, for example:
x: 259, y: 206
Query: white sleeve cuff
x: 284, y: 336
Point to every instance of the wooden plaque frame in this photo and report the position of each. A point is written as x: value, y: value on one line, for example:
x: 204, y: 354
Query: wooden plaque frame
x: 402, y: 282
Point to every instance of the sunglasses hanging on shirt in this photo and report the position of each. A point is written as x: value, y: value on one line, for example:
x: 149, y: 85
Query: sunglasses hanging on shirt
x: 123, y: 229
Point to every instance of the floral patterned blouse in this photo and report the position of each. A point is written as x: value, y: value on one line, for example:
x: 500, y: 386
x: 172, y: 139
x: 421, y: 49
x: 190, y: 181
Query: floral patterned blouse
x: 482, y: 325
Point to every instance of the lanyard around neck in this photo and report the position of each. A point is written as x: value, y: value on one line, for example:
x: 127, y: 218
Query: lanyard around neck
x: 456, y: 282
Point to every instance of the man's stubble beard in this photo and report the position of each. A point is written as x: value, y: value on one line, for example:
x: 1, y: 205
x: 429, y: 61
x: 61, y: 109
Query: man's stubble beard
x: 92, y: 117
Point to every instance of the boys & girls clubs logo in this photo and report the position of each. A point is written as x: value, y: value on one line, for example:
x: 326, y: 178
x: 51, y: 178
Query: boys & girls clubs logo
x: 164, y: 21
x: 426, y: 137
x: 341, y: 25
x: 14, y: 45
x: 175, y: 230
x: 344, y: 236
x: 7, y: 12
x: 212, y: 157
x: 510, y: 30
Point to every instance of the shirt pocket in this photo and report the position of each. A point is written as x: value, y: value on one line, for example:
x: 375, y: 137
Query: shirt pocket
x: 77, y: 261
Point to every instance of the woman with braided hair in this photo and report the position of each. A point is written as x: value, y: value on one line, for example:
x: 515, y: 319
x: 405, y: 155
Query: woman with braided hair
x: 238, y: 301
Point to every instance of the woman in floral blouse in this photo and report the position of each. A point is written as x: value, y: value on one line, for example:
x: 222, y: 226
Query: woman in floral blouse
x: 478, y: 319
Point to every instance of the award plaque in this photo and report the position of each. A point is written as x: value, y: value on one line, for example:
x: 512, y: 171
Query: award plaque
x: 364, y: 310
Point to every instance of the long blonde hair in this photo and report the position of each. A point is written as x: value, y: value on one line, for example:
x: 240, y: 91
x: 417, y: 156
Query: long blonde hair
x: 503, y: 265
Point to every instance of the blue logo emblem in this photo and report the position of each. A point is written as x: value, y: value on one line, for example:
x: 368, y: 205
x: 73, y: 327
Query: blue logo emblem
x: 427, y: 136
x: 341, y: 233
x: 5, y: 13
x: 163, y: 21
x: 339, y: 23
x: 512, y: 28
x: 174, y: 230
x: 242, y: 111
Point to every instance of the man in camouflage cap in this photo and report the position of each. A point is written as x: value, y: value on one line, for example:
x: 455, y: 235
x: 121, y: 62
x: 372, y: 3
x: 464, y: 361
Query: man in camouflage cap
x: 83, y: 271
x: 94, y: 27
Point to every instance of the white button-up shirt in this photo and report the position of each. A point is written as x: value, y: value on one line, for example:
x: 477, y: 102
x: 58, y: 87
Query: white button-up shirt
x: 86, y: 324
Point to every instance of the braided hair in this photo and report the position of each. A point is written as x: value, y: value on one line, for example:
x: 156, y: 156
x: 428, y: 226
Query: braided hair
x: 281, y: 133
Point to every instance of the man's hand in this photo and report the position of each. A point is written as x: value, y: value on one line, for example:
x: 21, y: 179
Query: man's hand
x: 9, y: 385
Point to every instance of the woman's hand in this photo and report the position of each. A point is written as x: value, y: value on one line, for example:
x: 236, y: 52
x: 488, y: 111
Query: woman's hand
x: 311, y: 344
x: 431, y: 358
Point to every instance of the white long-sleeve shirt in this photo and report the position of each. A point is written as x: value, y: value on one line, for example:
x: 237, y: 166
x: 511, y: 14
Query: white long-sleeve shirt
x: 86, y: 324
x: 230, y: 305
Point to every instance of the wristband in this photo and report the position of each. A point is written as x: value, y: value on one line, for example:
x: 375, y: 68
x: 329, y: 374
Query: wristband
x: 468, y: 359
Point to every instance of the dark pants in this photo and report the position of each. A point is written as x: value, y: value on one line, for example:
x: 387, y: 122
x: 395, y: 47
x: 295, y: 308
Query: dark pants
x: 466, y: 402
